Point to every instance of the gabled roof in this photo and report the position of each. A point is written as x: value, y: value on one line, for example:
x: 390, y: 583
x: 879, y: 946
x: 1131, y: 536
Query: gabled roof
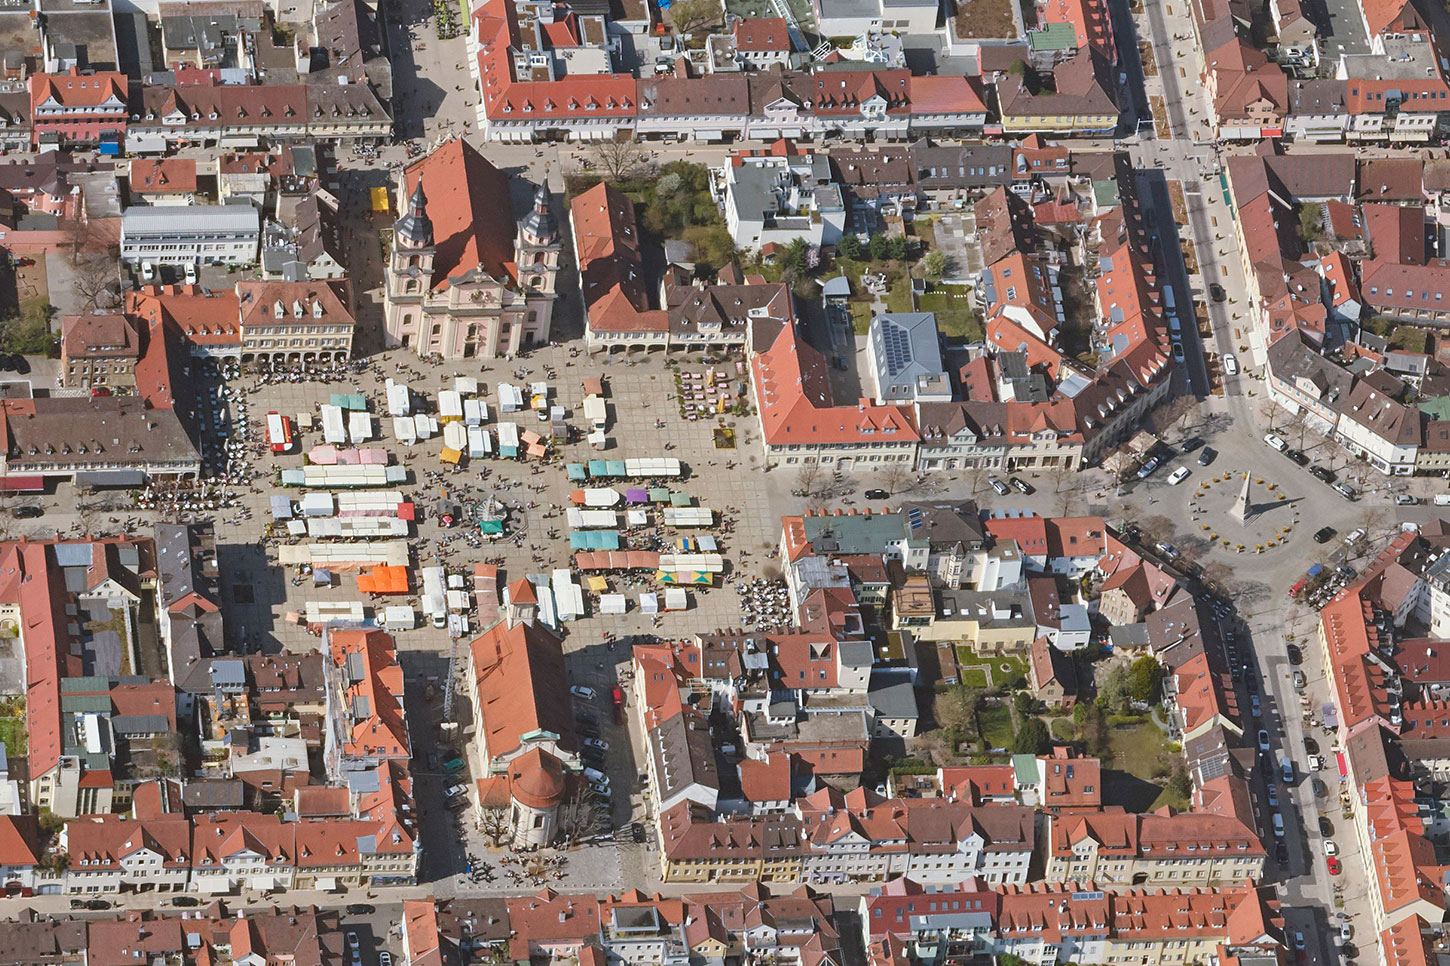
x: 472, y: 214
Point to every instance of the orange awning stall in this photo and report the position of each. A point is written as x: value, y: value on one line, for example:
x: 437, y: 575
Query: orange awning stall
x: 384, y: 580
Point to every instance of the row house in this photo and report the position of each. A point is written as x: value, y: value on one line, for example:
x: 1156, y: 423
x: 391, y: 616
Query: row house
x: 76, y: 109
x: 1073, y: 923
x: 1119, y: 849
x: 527, y: 96
x: 858, y: 836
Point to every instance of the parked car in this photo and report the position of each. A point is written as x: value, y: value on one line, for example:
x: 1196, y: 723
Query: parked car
x: 1296, y: 656
x: 877, y: 494
x: 1299, y: 940
x: 1326, y: 827
x: 595, y: 776
x: 1275, y: 442
x: 1178, y: 354
x: 1208, y: 455
x: 999, y: 486
x: 456, y: 790
x: 600, y: 789
x: 1230, y: 364
x: 1299, y: 681
x: 1330, y: 848
x: 1020, y: 485
x: 1178, y: 476
x: 1324, y: 534
x: 1149, y: 468
x: 584, y: 717
x: 1332, y: 864
x: 1346, y: 491
x: 1216, y: 292
x: 185, y: 901
x: 597, y: 743
x: 360, y: 909
x: 1405, y: 499
x: 27, y: 512
x: 1321, y: 474
x: 582, y: 693
x: 453, y: 766
x: 1190, y: 444
x: 1263, y: 739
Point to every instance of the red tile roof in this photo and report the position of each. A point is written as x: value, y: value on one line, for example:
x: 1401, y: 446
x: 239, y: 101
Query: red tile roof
x: 471, y: 211
x: 762, y: 34
x: 163, y: 176
x: 793, y: 392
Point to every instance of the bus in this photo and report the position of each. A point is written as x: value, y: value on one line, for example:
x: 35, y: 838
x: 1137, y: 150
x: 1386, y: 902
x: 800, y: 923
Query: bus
x: 279, y: 432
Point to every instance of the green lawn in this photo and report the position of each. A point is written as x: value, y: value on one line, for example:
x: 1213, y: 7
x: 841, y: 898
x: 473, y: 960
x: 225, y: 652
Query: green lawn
x: 973, y: 677
x: 995, y: 724
x: 860, y: 317
x: 1063, y: 729
x: 956, y: 316
x: 975, y: 668
x: 899, y: 298
x: 12, y: 732
x: 1142, y: 754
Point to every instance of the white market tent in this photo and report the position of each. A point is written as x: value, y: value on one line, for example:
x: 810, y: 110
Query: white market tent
x: 676, y: 598
x: 399, y: 399
x: 359, y: 427
x: 403, y: 430
x: 613, y: 604
x: 334, y: 429
x: 649, y: 604
x: 592, y: 519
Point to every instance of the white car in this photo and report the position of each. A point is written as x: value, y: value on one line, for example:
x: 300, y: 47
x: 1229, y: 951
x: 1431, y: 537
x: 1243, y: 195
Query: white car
x: 999, y: 486
x: 1179, y: 475
x: 599, y: 743
x: 190, y: 271
x: 456, y: 790
x: 1330, y: 848
x: 596, y: 777
x: 1275, y: 442
x: 1230, y: 364
x: 148, y: 272
x: 582, y: 693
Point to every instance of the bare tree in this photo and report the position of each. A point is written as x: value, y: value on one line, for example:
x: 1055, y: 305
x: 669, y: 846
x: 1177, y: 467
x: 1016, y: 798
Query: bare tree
x: 620, y: 160
x: 806, y: 479
x: 579, y: 817
x: 690, y: 15
x: 494, y: 822
x: 898, y: 476
x: 95, y: 279
x: 83, y: 237
x: 1271, y: 412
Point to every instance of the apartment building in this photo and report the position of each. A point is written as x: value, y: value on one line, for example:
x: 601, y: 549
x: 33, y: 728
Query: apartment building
x: 1116, y: 849
x: 210, y: 234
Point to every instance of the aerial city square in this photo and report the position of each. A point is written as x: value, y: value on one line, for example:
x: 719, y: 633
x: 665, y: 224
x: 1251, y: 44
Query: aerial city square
x: 724, y: 483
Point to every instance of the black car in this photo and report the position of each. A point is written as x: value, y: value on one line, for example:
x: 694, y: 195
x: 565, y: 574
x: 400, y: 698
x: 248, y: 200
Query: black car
x: 1020, y: 485
x: 1321, y: 790
x: 1324, y: 534
x: 1326, y: 827
x: 1281, y: 853
x: 1216, y: 292
x: 1297, y: 456
x: 185, y: 901
x: 584, y: 717
x: 1296, y: 656
x: 1208, y: 455
x: 97, y: 904
x: 27, y: 512
x: 877, y: 494
x: 1191, y: 444
x: 1251, y: 683
x: 1311, y: 746
x: 1321, y: 474
x: 360, y: 909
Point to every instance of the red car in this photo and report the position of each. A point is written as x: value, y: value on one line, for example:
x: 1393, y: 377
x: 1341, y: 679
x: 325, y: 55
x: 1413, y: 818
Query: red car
x: 101, y: 391
x: 1333, y: 864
